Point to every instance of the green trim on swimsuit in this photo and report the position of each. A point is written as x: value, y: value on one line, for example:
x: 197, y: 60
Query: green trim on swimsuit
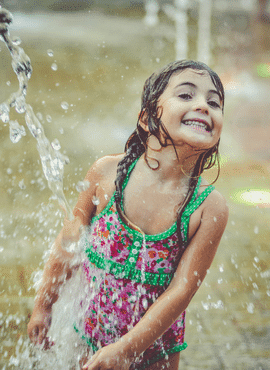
x: 162, y: 355
x: 88, y: 340
x: 126, y: 271
x: 192, y: 206
x: 154, y: 359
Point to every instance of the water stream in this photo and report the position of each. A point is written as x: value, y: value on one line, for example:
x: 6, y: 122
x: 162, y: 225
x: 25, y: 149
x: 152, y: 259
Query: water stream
x: 52, y: 160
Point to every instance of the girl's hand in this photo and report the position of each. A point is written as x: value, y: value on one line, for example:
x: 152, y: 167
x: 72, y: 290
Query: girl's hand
x: 111, y: 357
x: 38, y: 327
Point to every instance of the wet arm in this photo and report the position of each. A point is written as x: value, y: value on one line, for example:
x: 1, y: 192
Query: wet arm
x: 60, y: 263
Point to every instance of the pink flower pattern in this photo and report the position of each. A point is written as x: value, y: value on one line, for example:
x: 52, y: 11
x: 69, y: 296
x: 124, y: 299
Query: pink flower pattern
x: 120, y: 303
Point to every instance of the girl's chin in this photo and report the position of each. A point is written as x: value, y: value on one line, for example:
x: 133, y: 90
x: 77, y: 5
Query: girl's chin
x: 199, y: 141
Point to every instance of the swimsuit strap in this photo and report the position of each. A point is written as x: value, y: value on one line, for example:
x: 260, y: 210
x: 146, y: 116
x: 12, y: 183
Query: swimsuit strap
x: 128, y: 174
x: 191, y: 207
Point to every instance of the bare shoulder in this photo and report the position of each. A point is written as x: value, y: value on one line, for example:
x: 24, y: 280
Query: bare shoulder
x: 215, y: 206
x: 104, y: 167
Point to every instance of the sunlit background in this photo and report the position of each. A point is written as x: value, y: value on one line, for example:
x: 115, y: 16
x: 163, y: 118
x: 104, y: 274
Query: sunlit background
x: 90, y: 59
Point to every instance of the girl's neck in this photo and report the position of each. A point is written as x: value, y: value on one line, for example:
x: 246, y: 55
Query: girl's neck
x: 169, y: 166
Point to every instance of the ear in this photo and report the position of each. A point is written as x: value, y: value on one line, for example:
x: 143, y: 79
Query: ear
x: 143, y: 121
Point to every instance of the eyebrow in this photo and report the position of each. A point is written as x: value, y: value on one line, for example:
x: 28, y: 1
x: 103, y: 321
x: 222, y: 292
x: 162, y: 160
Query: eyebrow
x: 192, y: 85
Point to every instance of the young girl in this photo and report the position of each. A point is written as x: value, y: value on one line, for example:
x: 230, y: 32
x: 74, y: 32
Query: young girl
x: 153, y: 231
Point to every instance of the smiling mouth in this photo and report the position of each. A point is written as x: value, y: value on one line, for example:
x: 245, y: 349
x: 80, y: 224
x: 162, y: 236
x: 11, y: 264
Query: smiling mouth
x: 197, y: 125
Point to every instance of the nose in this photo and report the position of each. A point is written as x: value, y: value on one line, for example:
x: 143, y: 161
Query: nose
x: 203, y: 110
x: 201, y: 106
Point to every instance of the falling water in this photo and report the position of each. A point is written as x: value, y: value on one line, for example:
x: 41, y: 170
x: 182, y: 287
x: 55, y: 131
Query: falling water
x: 151, y: 17
x: 204, y: 31
x: 178, y: 13
x: 52, y: 160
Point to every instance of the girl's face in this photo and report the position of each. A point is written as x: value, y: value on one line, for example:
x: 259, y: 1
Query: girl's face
x: 192, y: 109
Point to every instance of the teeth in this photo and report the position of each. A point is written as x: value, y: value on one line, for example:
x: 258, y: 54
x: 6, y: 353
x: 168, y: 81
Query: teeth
x: 196, y: 123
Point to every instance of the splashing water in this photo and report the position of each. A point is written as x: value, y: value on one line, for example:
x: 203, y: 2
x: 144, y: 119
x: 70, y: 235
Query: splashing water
x: 52, y: 160
x: 68, y: 348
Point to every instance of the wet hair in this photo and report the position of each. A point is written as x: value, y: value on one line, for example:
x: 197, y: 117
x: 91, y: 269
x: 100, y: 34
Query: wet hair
x: 136, y: 144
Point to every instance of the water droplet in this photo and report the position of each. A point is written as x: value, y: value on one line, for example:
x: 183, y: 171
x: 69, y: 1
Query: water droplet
x: 64, y: 105
x: 103, y: 298
x: 4, y: 112
x: 215, y: 219
x: 8, y: 83
x: 48, y: 118
x: 265, y: 274
x: 20, y: 104
x: 9, y: 171
x: 16, y: 131
x: 250, y: 307
x: 157, y: 60
x: 256, y: 259
x: 221, y: 268
x: 95, y: 200
x: 82, y: 186
x: 54, y: 67
x: 50, y: 52
x: 16, y: 40
x: 1, y: 249
x: 39, y: 116
x: 22, y: 185
x: 56, y: 145
x: 145, y: 303
x: 256, y: 230
x: 206, y: 305
x: 196, y: 273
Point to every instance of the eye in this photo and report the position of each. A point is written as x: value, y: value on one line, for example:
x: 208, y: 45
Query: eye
x: 185, y: 96
x: 214, y: 104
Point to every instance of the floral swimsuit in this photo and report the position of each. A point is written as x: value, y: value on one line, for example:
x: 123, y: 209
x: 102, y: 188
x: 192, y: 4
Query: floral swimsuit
x: 127, y: 271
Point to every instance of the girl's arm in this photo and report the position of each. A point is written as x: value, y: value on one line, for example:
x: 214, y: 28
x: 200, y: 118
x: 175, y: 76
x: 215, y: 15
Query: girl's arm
x: 59, y: 266
x: 189, y: 275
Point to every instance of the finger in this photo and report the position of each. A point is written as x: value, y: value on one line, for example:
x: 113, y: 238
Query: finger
x: 47, y: 343
x: 33, y: 334
x: 64, y: 210
x: 90, y: 363
x: 42, y: 335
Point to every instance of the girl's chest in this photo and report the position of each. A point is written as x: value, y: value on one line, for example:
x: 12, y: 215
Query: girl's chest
x: 155, y: 211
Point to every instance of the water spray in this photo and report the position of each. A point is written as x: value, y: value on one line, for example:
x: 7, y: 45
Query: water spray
x: 52, y: 160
